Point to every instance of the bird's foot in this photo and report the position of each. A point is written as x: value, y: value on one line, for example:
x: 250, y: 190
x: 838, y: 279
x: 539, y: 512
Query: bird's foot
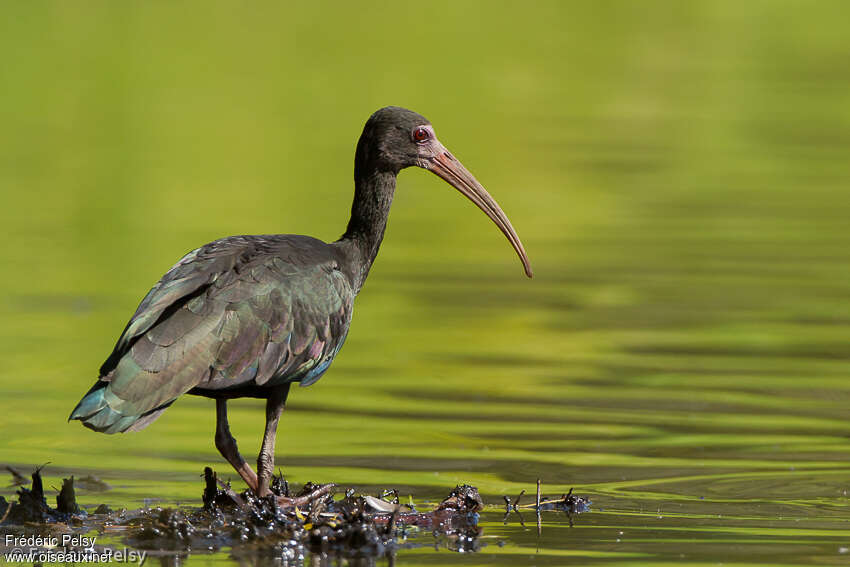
x: 304, y: 499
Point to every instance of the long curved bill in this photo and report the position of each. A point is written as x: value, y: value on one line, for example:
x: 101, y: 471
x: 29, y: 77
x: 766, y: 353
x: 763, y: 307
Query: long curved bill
x: 452, y: 171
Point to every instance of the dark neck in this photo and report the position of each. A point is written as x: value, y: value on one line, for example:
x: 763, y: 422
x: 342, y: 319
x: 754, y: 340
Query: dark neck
x: 373, y: 195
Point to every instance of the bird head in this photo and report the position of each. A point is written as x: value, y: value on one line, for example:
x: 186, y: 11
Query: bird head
x: 395, y: 138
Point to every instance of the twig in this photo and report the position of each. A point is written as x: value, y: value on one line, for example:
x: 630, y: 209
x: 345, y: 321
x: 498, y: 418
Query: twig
x: 537, y: 507
x: 17, y: 478
x: 515, y: 505
x: 516, y: 502
x: 562, y: 500
x: 230, y: 492
x: 512, y: 505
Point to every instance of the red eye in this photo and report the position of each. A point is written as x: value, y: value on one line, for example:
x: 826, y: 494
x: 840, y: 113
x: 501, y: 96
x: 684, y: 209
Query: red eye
x: 421, y: 134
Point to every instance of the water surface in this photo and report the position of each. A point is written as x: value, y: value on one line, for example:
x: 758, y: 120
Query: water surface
x: 679, y: 175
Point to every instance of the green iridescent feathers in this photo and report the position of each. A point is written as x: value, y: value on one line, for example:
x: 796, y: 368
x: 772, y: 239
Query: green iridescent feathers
x: 247, y: 311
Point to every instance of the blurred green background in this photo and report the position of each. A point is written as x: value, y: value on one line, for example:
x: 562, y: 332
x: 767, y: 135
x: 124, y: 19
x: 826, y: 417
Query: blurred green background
x: 678, y: 172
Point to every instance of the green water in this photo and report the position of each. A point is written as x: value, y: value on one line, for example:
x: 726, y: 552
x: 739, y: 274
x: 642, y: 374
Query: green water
x: 678, y: 171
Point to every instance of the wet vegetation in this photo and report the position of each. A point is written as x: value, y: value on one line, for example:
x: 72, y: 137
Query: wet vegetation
x: 678, y: 172
x: 283, y: 526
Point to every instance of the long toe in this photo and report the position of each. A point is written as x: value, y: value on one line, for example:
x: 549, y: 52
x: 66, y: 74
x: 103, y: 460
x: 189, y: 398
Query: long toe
x: 318, y: 492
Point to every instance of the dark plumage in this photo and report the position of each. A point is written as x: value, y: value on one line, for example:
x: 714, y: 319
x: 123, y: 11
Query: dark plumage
x: 250, y: 315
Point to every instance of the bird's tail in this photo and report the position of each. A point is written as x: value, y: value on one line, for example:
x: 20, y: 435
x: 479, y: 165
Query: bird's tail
x: 95, y: 413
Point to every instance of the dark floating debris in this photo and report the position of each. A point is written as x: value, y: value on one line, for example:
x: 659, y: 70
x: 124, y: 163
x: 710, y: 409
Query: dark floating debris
x: 568, y: 503
x: 32, y: 506
x: 314, y: 520
x: 92, y: 484
x: 282, y: 525
x: 66, y: 500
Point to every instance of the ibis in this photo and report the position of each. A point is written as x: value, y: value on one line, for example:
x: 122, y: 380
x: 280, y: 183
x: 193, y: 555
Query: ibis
x: 248, y: 316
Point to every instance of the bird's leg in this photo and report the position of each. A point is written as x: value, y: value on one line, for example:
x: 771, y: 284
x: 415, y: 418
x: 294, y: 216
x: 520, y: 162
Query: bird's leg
x: 265, y: 461
x: 226, y: 445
